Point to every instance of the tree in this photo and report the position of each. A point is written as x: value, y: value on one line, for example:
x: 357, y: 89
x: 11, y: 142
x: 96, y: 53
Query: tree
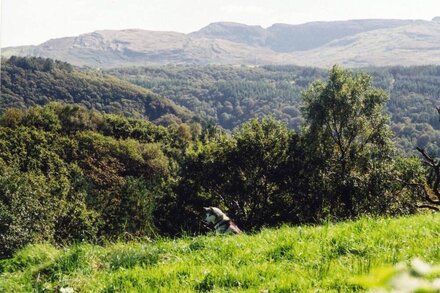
x: 257, y: 190
x: 431, y: 189
x: 246, y: 174
x: 348, y: 131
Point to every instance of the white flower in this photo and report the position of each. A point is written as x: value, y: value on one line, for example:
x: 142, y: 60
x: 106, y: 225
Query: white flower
x: 66, y: 290
x: 406, y: 283
x: 420, y: 267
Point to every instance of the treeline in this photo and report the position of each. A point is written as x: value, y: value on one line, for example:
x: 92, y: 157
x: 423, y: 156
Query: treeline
x: 231, y: 95
x: 28, y: 81
x: 69, y: 174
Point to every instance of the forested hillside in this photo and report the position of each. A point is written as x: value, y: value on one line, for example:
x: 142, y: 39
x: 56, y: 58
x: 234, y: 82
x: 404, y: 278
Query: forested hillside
x: 226, y: 95
x: 231, y: 95
x: 37, y: 81
x: 69, y: 174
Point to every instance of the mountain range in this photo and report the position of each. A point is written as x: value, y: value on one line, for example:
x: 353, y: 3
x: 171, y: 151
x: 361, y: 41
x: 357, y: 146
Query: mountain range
x: 352, y: 43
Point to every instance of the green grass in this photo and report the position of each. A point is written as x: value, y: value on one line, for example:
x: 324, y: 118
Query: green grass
x: 303, y: 259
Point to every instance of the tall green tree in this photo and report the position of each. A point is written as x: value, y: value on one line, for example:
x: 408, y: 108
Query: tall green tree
x: 346, y: 128
x: 246, y: 173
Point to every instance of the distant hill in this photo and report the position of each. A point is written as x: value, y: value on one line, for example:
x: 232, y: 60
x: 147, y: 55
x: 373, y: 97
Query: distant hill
x: 353, y: 43
x: 105, y: 49
x: 36, y: 81
x: 414, y: 44
x: 290, y: 38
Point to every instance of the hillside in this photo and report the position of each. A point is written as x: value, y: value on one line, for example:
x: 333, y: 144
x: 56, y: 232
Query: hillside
x: 290, y: 38
x: 104, y: 49
x: 87, y: 200
x: 290, y: 259
x: 69, y: 174
x: 35, y: 81
x: 353, y: 43
x: 412, y: 44
x: 231, y: 95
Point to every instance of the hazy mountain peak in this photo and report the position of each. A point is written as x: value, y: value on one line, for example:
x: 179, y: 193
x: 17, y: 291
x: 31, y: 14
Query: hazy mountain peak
x: 235, y: 32
x: 361, y: 42
x: 311, y: 35
x: 228, y: 24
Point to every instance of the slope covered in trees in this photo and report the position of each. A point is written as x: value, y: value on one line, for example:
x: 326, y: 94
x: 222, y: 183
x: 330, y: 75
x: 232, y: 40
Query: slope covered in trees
x: 69, y: 174
x: 231, y: 95
x: 37, y: 81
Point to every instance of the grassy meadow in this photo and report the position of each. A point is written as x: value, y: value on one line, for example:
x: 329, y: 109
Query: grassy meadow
x: 326, y: 258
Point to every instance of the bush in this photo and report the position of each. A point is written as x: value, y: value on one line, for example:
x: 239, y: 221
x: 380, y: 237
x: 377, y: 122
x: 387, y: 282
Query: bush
x: 62, y: 181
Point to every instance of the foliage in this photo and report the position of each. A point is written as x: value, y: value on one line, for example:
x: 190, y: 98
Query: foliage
x: 232, y: 95
x: 28, y: 81
x: 247, y: 173
x: 229, y: 95
x: 302, y: 259
x: 431, y: 189
x: 69, y: 174
x: 342, y: 165
x: 346, y: 129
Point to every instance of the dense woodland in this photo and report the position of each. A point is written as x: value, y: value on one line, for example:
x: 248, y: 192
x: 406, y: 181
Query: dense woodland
x: 219, y: 95
x: 72, y: 174
x: 231, y: 95
x: 36, y: 81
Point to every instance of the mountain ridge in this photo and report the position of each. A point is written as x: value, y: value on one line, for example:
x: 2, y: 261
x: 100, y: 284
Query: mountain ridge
x: 236, y: 43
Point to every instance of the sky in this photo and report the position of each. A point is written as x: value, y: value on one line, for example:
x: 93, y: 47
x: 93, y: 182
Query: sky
x: 31, y: 22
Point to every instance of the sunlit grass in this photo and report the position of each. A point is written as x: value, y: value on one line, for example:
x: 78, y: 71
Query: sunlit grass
x: 287, y: 259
